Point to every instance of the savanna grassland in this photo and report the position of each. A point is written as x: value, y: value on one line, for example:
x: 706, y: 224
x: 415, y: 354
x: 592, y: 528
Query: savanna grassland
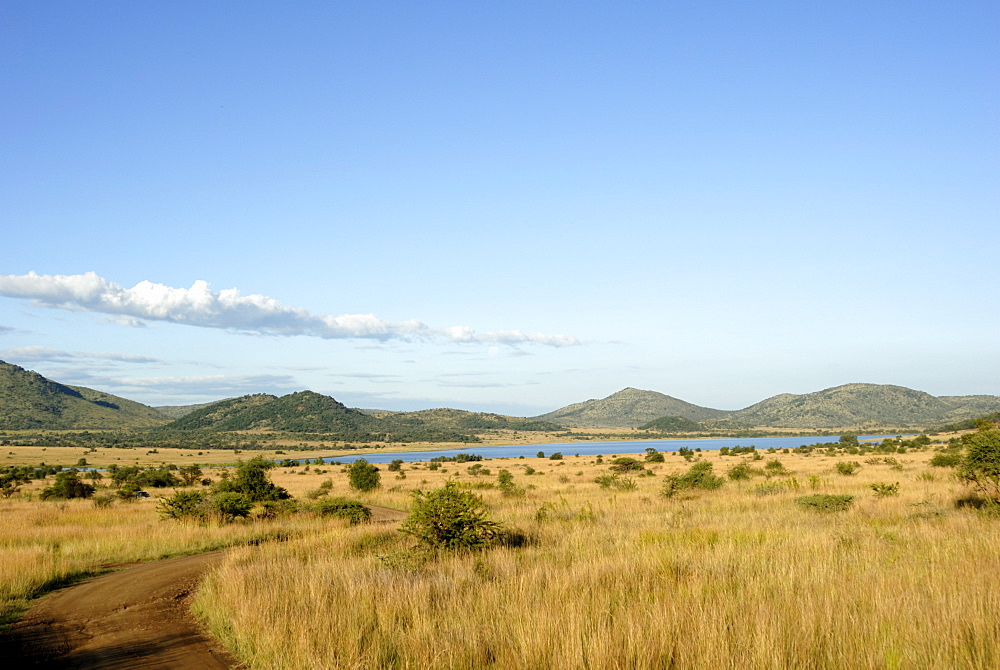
x: 738, y: 577
x: 617, y: 577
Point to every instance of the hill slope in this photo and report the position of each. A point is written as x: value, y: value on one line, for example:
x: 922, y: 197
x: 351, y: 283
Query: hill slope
x: 302, y: 412
x: 861, y: 405
x: 628, y: 408
x: 30, y: 401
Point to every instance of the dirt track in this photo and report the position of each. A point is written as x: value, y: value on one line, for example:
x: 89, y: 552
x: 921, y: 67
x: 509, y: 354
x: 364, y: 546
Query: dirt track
x: 136, y: 617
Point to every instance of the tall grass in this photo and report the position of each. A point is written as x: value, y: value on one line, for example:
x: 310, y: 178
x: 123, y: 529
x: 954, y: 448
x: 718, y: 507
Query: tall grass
x: 725, y: 579
x: 47, y: 544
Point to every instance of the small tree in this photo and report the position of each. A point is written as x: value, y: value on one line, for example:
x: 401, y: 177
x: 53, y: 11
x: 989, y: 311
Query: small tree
x: 182, y: 505
x: 67, y: 485
x: 252, y: 481
x: 190, y: 474
x: 980, y: 465
x: 363, y: 476
x: 449, y: 518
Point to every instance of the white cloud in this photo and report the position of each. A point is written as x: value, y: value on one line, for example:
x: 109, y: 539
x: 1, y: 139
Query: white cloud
x: 228, y: 309
x: 37, y: 353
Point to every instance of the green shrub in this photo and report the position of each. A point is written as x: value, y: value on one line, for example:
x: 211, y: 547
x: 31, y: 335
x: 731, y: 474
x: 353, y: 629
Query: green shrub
x: 556, y: 456
x: 363, y: 476
x: 626, y: 464
x: 615, y: 481
x: 847, y: 467
x: 449, y: 518
x: 698, y: 476
x: 103, y: 500
x: 229, y: 505
x: 67, y: 485
x: 946, y: 460
x: 653, y: 456
x: 883, y: 490
x: 980, y: 466
x: 826, y: 502
x: 252, y: 481
x: 343, y: 508
x: 182, y: 505
x: 740, y: 471
x: 396, y: 465
x: 505, y: 482
x: 774, y: 468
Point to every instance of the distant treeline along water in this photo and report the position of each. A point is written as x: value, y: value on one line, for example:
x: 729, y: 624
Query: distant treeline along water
x: 594, y: 448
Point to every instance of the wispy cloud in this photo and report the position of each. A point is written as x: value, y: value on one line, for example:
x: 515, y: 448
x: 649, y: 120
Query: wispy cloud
x: 167, y: 389
x: 229, y: 309
x: 35, y: 354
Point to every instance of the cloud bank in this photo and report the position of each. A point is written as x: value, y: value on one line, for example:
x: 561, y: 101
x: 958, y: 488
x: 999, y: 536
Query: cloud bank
x: 230, y: 310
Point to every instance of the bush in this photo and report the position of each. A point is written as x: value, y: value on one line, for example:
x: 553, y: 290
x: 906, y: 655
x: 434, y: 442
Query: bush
x: 826, y: 502
x: 740, y: 471
x: 363, y: 476
x: 774, y: 468
x: 882, y: 490
x: 946, y: 460
x: 103, y: 500
x: 980, y: 466
x: 252, y: 481
x: 626, y: 464
x: 449, y: 518
x: 847, y: 467
x: 556, y: 456
x: 505, y: 482
x: 343, y: 508
x: 182, y: 505
x: 229, y: 506
x: 699, y: 476
x: 67, y: 485
x: 396, y: 465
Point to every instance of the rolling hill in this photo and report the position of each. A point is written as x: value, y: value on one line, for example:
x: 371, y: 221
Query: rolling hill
x: 30, y: 401
x: 628, y: 408
x: 862, y: 406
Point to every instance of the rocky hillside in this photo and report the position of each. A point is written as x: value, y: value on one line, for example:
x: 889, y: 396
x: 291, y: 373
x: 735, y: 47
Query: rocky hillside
x: 628, y: 408
x: 861, y: 406
x: 30, y: 401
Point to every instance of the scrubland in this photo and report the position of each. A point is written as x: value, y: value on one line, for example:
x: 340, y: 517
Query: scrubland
x: 737, y: 577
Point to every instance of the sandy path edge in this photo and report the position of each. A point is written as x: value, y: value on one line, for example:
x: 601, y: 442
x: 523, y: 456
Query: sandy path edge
x: 132, y: 618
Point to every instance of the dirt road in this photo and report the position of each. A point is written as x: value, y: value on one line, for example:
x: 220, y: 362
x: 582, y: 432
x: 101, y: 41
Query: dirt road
x: 136, y: 617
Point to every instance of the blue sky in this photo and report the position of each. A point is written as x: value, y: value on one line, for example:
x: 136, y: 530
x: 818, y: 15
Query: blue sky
x: 500, y: 206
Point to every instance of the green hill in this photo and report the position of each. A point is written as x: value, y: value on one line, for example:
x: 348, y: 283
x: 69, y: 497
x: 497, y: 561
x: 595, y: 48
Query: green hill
x: 30, y: 401
x: 173, y: 412
x: 302, y: 412
x: 628, y: 408
x: 461, y: 420
x: 673, y: 424
x: 861, y: 406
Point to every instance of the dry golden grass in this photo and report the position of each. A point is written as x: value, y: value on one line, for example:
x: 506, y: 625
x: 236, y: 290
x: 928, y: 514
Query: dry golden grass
x: 720, y: 579
x: 44, y: 544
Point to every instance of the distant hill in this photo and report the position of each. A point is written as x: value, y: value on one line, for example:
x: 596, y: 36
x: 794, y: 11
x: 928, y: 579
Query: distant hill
x: 310, y: 412
x: 461, y: 420
x: 861, y: 406
x: 673, y: 424
x: 302, y: 412
x: 628, y: 408
x: 177, y: 411
x: 30, y: 401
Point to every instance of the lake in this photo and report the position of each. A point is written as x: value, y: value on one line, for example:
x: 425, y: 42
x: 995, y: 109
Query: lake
x: 590, y: 448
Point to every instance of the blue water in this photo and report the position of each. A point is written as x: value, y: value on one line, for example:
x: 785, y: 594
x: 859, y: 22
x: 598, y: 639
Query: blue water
x: 588, y: 448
